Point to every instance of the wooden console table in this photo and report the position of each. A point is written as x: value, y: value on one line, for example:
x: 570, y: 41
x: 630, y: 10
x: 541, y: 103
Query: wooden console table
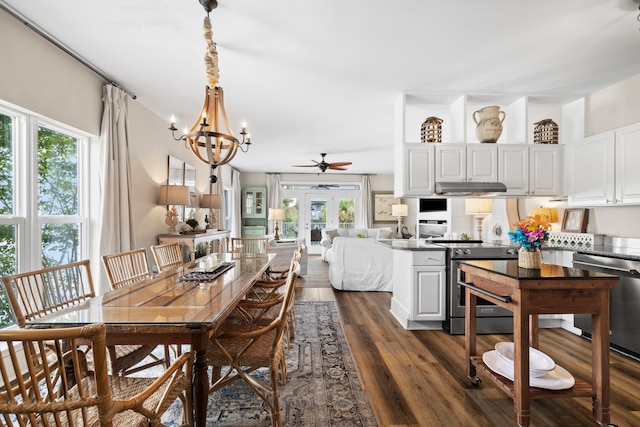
x: 219, y: 238
x: 553, y: 289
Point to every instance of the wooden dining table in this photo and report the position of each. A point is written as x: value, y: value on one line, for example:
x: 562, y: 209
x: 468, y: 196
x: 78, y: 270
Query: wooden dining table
x: 166, y: 309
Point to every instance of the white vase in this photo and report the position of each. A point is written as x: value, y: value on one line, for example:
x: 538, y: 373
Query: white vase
x: 489, y: 123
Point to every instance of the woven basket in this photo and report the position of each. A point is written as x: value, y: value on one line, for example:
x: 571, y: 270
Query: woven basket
x: 431, y: 130
x: 529, y: 259
x: 545, y: 132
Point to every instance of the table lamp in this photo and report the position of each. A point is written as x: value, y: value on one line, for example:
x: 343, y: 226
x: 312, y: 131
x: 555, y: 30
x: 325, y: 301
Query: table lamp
x: 172, y: 196
x: 276, y: 214
x: 399, y: 211
x: 211, y: 202
x: 480, y: 208
x: 546, y: 214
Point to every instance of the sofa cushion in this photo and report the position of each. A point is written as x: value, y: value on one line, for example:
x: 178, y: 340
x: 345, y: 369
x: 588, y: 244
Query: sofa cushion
x: 385, y: 233
x: 331, y: 233
x: 353, y: 232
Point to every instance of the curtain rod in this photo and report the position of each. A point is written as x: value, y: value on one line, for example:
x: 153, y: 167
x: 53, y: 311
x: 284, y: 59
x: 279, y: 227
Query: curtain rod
x: 62, y: 47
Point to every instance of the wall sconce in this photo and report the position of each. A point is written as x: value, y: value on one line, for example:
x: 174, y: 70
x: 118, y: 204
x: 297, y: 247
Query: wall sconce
x: 480, y: 208
x: 211, y: 202
x: 399, y: 211
x: 173, y: 195
x: 276, y: 214
x: 546, y: 214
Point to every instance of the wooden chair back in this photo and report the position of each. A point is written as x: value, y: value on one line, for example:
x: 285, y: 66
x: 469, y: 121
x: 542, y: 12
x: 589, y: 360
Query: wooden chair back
x: 249, y: 246
x: 37, y: 293
x: 167, y: 256
x: 46, y: 382
x: 126, y: 268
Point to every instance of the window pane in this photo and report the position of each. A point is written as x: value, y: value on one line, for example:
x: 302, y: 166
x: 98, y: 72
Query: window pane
x: 6, y: 165
x: 60, y: 244
x: 290, y: 222
x: 7, y: 267
x: 57, y: 173
x: 347, y: 213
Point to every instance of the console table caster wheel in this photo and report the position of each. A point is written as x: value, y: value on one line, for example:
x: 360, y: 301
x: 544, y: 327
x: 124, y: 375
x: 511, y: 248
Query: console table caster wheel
x: 475, y: 381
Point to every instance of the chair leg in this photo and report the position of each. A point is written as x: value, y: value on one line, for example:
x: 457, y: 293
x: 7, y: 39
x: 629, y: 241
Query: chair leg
x: 276, y: 420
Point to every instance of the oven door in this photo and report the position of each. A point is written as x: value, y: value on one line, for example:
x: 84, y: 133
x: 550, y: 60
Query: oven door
x: 457, y: 302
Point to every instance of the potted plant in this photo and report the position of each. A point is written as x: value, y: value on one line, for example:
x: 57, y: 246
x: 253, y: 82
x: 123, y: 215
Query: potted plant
x: 531, y: 232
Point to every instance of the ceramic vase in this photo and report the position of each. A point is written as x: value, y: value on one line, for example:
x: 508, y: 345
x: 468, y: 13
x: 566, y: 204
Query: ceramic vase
x: 489, y: 123
x: 529, y: 259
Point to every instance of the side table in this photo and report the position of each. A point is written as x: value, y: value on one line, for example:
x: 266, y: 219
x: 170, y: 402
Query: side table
x: 215, y: 241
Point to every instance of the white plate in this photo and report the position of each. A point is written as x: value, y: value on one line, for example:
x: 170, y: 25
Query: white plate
x: 556, y: 379
x: 539, y: 362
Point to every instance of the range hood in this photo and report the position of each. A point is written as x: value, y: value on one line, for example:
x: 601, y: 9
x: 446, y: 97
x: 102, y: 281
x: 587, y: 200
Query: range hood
x: 470, y: 188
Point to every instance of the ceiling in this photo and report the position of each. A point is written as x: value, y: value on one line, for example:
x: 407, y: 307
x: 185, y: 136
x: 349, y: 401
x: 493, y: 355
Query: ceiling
x: 323, y: 76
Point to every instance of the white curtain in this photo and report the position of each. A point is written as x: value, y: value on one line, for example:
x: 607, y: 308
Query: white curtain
x: 116, y: 218
x: 218, y: 188
x: 236, y: 211
x: 365, y: 197
x: 274, y: 199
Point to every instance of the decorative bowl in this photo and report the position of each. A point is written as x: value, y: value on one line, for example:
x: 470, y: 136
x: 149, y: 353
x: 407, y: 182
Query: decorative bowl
x: 539, y: 363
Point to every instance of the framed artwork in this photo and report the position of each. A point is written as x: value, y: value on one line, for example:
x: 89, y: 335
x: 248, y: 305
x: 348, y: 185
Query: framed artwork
x: 575, y: 220
x: 381, y: 202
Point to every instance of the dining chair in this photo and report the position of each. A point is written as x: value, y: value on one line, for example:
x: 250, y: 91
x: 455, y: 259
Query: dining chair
x: 249, y: 246
x: 244, y: 348
x: 37, y: 293
x: 125, y: 269
x: 167, y: 256
x: 44, y: 383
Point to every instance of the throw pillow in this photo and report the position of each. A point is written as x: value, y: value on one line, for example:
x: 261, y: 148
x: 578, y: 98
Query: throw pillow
x: 362, y: 235
x: 331, y: 234
x: 385, y: 233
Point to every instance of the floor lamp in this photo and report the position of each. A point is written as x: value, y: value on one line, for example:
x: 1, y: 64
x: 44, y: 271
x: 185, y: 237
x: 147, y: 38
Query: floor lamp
x: 276, y: 215
x: 399, y: 211
x: 172, y: 196
x: 480, y: 208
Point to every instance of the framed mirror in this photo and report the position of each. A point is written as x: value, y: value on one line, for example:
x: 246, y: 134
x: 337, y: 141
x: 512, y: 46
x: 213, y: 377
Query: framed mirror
x: 190, y: 181
x: 175, y: 176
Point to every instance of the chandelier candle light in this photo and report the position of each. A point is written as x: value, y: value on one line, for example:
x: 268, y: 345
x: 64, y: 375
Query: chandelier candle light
x: 531, y: 232
x: 207, y: 138
x: 173, y: 195
x: 399, y: 211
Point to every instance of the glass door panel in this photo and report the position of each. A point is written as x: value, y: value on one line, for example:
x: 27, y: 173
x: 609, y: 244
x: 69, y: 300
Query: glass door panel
x: 318, y: 208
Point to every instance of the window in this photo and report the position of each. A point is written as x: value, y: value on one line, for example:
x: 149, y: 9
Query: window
x: 41, y: 196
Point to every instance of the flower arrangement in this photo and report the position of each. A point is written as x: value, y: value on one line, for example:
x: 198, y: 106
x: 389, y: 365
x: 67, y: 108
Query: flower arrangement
x: 530, y: 233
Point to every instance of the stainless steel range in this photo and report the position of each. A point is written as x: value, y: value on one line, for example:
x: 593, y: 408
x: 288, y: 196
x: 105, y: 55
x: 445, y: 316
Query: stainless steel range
x: 490, y: 318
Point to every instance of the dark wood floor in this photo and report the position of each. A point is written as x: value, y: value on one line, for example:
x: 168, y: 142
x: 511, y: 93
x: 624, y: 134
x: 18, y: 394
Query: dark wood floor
x: 417, y: 378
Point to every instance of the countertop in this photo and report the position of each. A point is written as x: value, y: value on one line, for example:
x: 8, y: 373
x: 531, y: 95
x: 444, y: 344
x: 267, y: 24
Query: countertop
x: 547, y: 271
x: 411, y: 245
x: 614, y: 251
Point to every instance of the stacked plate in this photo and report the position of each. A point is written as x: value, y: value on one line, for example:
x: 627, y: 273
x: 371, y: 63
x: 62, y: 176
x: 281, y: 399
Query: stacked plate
x: 543, y: 371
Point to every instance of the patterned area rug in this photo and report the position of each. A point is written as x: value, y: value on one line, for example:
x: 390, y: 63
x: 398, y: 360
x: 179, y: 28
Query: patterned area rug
x: 323, y: 389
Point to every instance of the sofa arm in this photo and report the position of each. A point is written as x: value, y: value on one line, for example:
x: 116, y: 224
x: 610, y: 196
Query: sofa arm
x: 325, y: 243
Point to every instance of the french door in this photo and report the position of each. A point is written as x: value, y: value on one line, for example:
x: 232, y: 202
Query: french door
x: 328, y: 209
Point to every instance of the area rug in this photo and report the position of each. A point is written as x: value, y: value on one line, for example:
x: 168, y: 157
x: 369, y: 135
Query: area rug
x: 323, y: 388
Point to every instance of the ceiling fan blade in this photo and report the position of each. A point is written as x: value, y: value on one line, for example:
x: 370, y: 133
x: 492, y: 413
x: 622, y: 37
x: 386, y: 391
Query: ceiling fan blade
x: 339, y: 163
x: 304, y: 166
x: 337, y: 168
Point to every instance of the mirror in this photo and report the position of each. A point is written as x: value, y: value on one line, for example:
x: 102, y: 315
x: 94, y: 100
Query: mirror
x: 176, y: 176
x: 190, y: 181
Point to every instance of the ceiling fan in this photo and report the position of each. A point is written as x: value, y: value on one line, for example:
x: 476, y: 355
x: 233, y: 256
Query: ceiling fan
x: 324, y: 165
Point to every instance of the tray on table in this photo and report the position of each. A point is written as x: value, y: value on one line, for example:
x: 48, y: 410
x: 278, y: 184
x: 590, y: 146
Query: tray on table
x: 208, y: 276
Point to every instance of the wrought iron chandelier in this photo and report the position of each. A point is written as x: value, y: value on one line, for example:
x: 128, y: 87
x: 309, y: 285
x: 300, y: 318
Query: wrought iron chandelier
x: 211, y: 138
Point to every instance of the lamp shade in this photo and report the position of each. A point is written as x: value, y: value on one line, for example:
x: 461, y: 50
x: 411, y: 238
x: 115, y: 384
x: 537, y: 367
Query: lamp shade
x: 174, y: 195
x: 211, y: 201
x: 400, y: 210
x: 547, y: 214
x: 276, y: 214
x: 478, y: 206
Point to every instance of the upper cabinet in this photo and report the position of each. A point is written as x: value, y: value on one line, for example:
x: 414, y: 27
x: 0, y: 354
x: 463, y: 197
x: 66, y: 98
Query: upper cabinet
x: 254, y: 202
x: 603, y: 169
x: 524, y: 167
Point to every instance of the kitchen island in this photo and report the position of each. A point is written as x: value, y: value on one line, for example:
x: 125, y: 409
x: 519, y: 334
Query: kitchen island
x: 552, y: 289
x: 419, y: 283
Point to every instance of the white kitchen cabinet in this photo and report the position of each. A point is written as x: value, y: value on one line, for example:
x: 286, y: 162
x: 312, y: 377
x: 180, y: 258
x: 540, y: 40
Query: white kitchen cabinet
x: 604, y: 169
x: 544, y: 170
x: 466, y: 162
x: 419, y: 288
x: 429, y: 300
x: 513, y: 168
x: 416, y: 177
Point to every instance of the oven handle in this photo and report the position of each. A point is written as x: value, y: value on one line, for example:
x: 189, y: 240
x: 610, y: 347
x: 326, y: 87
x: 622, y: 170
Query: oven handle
x: 505, y: 298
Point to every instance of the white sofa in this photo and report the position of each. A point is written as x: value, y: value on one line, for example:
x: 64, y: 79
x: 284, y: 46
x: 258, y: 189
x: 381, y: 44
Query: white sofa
x: 359, y: 264
x: 284, y: 253
x: 328, y: 234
